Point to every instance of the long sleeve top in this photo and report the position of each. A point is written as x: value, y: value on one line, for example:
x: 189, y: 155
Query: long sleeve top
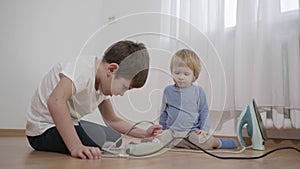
x: 184, y: 109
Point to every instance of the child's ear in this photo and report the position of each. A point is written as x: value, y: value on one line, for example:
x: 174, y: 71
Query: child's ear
x: 112, y: 68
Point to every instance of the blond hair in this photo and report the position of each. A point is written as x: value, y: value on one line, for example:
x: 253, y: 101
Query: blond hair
x: 186, y: 57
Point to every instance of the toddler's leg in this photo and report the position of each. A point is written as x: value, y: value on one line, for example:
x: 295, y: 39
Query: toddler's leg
x: 227, y: 143
x: 210, y: 142
x: 202, y: 140
x: 169, y: 137
x: 165, y: 137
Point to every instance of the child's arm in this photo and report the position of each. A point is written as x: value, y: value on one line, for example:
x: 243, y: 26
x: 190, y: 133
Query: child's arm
x: 203, y: 120
x: 162, y: 119
x: 163, y: 116
x: 122, y: 126
x: 57, y: 105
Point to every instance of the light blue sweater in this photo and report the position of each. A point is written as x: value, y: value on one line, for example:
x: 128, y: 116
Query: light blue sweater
x: 184, y: 109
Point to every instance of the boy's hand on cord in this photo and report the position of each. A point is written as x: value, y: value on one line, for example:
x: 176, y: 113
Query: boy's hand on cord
x: 86, y: 152
x: 154, y: 130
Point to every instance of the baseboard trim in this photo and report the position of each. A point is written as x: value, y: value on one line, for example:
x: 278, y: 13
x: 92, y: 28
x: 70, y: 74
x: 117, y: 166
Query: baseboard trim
x: 293, y: 134
x: 12, y: 133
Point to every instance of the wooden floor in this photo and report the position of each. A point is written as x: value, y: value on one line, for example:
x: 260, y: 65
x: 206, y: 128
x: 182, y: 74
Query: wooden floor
x: 15, y: 153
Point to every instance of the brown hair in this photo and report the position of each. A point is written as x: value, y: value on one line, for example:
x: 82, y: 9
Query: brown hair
x: 133, y: 61
x: 186, y: 57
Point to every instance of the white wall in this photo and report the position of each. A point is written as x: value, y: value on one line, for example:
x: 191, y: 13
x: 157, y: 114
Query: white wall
x: 135, y: 19
x: 37, y: 34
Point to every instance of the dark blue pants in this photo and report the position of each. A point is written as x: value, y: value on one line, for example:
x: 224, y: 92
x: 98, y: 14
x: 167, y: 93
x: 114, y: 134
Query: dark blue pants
x: 90, y: 134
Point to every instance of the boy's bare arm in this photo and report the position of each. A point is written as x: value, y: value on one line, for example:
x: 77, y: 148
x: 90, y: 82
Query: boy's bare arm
x: 115, y: 122
x: 57, y: 105
x: 122, y: 126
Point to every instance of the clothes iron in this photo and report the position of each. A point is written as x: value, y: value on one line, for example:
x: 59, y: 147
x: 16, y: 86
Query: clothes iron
x: 254, y: 127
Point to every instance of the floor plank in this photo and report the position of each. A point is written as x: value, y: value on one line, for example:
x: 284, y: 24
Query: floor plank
x: 15, y: 153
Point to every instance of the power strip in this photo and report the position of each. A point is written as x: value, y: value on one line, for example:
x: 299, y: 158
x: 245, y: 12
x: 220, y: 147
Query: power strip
x: 144, y: 148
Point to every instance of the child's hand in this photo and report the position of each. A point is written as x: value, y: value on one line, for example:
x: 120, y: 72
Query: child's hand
x: 154, y: 131
x: 85, y: 152
x: 201, y: 132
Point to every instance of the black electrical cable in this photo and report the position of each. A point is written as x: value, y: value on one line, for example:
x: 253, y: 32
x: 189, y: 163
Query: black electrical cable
x: 242, y: 158
x: 213, y: 155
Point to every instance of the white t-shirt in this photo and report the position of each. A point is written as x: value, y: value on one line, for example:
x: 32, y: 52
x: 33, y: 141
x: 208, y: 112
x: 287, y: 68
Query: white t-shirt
x: 85, y: 99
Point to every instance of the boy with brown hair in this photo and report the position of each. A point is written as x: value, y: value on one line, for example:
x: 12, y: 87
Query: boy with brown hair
x: 74, y: 89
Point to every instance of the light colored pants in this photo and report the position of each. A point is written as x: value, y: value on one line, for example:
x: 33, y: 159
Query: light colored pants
x: 201, y: 140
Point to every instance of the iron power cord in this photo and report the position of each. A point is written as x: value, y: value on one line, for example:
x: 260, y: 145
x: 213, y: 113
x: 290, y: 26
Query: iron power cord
x: 242, y: 158
x: 213, y: 155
